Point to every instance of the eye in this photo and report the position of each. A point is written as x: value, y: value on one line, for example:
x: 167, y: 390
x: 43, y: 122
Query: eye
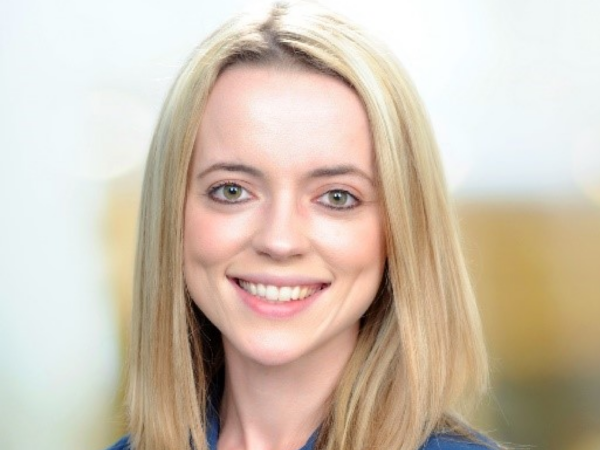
x: 229, y: 193
x: 338, y: 199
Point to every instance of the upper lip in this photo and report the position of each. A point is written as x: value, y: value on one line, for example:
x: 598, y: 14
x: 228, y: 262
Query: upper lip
x: 279, y: 280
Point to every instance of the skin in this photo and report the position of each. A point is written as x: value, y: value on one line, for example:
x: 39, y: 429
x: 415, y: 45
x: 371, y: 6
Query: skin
x: 282, y: 190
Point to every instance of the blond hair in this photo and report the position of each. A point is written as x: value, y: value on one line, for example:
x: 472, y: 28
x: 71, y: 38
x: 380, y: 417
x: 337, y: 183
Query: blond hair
x: 419, y: 350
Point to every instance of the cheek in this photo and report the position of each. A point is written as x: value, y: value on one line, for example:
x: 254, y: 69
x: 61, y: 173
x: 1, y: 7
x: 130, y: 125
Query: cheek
x: 354, y: 245
x: 210, y: 238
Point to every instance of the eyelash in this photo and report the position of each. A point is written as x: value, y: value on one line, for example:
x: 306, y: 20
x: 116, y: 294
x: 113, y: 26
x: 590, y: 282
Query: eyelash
x: 213, y: 190
x: 355, y: 201
x: 213, y: 195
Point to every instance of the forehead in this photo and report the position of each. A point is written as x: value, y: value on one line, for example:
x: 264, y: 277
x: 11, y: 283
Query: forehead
x: 290, y: 117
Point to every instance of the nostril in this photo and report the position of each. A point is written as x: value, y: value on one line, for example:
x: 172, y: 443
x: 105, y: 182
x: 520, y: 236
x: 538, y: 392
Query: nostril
x: 282, y: 233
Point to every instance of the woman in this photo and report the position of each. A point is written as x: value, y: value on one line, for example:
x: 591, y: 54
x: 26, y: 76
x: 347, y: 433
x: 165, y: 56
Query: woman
x: 299, y: 278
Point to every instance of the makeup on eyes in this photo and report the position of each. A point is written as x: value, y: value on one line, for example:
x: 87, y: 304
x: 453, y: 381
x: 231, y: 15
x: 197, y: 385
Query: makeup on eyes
x: 232, y: 193
x: 228, y: 192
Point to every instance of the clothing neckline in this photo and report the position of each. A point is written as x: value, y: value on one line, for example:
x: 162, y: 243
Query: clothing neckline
x: 214, y: 429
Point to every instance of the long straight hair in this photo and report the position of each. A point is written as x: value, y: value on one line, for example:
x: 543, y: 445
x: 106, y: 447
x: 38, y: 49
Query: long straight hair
x: 420, y: 351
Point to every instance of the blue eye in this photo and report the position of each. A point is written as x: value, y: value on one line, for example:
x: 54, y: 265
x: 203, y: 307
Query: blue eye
x: 229, y: 193
x: 338, y: 199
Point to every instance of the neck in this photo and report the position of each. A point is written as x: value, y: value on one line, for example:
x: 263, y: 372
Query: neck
x: 278, y: 407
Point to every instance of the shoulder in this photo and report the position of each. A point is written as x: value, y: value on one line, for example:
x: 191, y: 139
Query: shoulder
x: 121, y: 444
x: 454, y: 442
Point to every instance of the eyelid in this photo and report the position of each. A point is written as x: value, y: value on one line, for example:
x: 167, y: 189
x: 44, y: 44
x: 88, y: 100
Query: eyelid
x: 355, y: 200
x: 212, y: 190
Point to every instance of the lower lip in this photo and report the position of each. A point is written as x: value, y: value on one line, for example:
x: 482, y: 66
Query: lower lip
x: 275, y: 310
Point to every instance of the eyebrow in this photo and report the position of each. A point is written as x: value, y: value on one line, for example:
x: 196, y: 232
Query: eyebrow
x: 324, y: 172
x: 321, y: 172
x: 232, y: 167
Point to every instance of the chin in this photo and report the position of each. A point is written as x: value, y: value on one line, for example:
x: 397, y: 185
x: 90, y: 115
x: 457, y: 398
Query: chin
x: 268, y: 351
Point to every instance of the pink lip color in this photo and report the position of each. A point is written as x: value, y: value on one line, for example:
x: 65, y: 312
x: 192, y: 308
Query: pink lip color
x: 274, y: 310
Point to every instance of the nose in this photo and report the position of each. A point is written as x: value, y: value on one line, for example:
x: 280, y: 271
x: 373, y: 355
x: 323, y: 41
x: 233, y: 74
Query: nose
x: 282, y: 233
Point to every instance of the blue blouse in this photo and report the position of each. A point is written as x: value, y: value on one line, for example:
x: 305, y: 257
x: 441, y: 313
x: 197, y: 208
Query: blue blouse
x: 435, y: 442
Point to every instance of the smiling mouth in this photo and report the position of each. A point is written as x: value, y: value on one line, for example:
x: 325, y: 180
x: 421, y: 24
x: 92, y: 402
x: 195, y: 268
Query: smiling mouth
x: 279, y: 293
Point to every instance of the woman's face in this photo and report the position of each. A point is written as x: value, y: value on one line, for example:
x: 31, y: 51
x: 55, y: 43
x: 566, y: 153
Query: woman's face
x: 283, y: 246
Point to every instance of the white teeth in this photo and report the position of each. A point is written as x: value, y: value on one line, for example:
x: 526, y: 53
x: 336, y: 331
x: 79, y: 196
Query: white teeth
x: 277, y: 294
x: 296, y: 293
x: 272, y: 293
x: 261, y: 291
x: 285, y: 293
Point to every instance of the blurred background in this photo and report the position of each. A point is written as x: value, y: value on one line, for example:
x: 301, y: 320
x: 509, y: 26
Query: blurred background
x: 513, y: 92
